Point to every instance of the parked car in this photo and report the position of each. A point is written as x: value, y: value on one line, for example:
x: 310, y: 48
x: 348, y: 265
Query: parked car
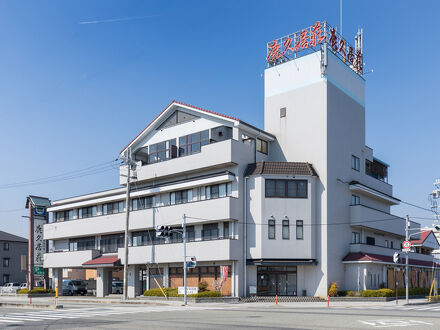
x: 11, y: 287
x: 71, y: 287
x: 117, y: 287
x: 23, y: 286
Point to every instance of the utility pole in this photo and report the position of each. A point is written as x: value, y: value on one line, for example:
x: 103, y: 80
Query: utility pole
x: 185, y: 298
x: 406, y: 259
x: 127, y: 160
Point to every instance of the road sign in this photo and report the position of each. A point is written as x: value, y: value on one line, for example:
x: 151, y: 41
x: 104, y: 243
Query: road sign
x: 38, y: 270
x: 189, y: 290
x: 406, y: 245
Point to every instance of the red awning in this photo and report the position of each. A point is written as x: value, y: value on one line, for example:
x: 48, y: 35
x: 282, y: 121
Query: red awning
x: 361, y: 256
x: 103, y: 261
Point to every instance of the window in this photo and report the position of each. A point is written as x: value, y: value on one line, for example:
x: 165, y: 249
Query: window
x: 192, y: 143
x: 142, y: 203
x: 355, y: 200
x: 87, y: 212
x: 286, y: 188
x: 262, y: 146
x: 181, y: 196
x: 386, y: 243
x: 82, y: 244
x: 271, y: 230
x: 286, y: 232
x: 5, y: 262
x: 299, y: 229
x: 64, y: 215
x: 391, y: 245
x: 282, y: 112
x: 115, y: 207
x: 355, y: 238
x: 355, y: 163
x: 111, y: 243
x: 371, y: 240
x: 225, y: 229
x: 162, y: 151
x: 5, y: 246
x: 5, y: 278
x: 210, y: 231
x: 218, y: 190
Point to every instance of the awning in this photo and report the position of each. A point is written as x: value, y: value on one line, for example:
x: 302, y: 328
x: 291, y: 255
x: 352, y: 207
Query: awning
x: 281, y: 262
x: 361, y: 257
x: 103, y: 261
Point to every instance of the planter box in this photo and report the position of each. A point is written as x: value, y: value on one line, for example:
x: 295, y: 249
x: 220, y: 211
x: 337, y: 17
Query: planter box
x: 36, y: 295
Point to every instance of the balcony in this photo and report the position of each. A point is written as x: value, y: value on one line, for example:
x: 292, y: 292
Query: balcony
x: 224, y: 208
x: 210, y: 250
x: 68, y: 259
x: 363, y: 216
x: 212, y: 156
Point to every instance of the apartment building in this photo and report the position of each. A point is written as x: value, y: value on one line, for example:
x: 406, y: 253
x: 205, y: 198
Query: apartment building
x: 284, y: 210
x: 13, y: 252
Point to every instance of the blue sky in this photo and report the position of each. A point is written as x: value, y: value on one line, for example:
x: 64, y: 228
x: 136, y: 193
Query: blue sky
x: 72, y: 95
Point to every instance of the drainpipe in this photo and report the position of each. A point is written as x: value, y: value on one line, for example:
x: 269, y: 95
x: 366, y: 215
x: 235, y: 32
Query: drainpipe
x: 245, y: 238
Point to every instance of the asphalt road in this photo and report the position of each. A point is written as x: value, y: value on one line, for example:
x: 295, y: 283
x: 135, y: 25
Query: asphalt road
x: 238, y: 316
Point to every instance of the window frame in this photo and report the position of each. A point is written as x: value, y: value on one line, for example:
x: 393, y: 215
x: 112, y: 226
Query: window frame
x: 281, y: 188
x: 355, y: 200
x: 271, y: 225
x: 299, y: 229
x: 285, y: 233
x: 5, y: 246
x: 6, y: 262
x: 355, y: 163
x: 355, y: 237
x: 262, y: 146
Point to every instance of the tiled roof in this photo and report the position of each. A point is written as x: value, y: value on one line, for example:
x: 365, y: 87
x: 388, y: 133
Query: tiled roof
x: 112, y: 260
x: 361, y: 256
x: 4, y: 236
x: 423, y: 236
x: 290, y: 168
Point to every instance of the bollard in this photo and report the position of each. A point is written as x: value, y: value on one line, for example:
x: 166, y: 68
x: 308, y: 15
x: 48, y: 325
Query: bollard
x: 276, y: 299
x: 328, y: 301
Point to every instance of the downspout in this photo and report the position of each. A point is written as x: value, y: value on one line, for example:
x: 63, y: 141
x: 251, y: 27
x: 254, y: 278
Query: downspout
x: 245, y: 238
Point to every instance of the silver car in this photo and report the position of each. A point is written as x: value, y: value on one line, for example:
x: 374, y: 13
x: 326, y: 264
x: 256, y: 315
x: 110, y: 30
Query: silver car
x: 11, y: 287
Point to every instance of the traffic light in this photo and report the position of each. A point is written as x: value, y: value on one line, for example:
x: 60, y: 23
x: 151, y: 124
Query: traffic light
x: 164, y: 231
x: 396, y: 257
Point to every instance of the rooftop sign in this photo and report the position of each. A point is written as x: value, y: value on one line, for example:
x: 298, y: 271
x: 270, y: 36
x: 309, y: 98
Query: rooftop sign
x: 303, y: 42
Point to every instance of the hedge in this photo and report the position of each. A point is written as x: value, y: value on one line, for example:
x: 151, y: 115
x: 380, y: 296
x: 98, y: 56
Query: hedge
x: 172, y: 292
x: 35, y: 291
x: 392, y: 292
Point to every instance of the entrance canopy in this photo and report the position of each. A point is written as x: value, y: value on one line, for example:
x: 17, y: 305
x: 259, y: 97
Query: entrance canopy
x: 361, y: 257
x: 103, y: 261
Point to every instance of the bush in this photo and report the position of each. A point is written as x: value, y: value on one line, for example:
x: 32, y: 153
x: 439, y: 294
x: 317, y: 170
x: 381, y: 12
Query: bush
x: 377, y: 293
x: 170, y: 292
x: 333, y: 289
x: 353, y: 294
x: 202, y: 286
x: 206, y: 294
x: 35, y: 291
x: 342, y: 293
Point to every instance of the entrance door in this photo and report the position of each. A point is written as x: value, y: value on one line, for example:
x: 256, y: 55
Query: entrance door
x: 276, y: 280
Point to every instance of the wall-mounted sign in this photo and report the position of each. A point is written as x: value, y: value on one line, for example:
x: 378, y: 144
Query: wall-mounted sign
x: 302, y: 42
x: 39, y: 244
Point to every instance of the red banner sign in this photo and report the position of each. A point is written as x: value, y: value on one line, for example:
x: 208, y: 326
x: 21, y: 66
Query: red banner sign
x: 288, y: 47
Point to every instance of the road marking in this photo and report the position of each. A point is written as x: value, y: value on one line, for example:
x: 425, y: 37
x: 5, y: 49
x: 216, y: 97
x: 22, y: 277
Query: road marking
x: 388, y: 323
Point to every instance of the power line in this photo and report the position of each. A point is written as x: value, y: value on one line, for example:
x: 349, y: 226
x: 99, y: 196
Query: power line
x: 95, y: 169
x: 417, y: 206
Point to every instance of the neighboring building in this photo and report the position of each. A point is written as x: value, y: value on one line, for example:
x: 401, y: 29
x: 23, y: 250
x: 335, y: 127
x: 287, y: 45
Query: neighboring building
x: 285, y: 210
x: 13, y: 252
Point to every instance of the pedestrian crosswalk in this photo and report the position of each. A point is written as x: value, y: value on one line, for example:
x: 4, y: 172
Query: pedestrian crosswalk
x: 53, y: 315
x: 430, y: 307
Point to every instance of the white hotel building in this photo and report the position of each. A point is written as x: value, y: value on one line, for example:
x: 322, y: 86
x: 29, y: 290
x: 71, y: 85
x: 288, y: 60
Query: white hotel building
x: 289, y: 209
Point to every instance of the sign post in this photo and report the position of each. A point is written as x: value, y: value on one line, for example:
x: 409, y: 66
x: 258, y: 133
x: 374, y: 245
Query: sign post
x: 37, y: 246
x: 396, y: 257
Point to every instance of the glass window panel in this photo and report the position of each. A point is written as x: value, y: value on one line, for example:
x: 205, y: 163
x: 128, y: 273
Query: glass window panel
x: 302, y: 188
x: 214, y: 191
x: 229, y: 189
x: 195, y: 147
x: 208, y: 192
x: 182, y: 151
x: 94, y: 211
x: 286, y: 229
x: 299, y: 229
x: 190, y: 195
x: 292, y: 187
x: 173, y: 198
x: 195, y: 137
x: 271, y: 231
x: 222, y: 190
x: 204, y: 135
x: 270, y: 188
x: 134, y: 204
x: 182, y: 140
x: 280, y: 188
x: 161, y: 146
x: 153, y: 148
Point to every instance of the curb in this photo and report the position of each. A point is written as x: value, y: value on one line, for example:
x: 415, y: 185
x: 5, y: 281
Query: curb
x: 20, y: 305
